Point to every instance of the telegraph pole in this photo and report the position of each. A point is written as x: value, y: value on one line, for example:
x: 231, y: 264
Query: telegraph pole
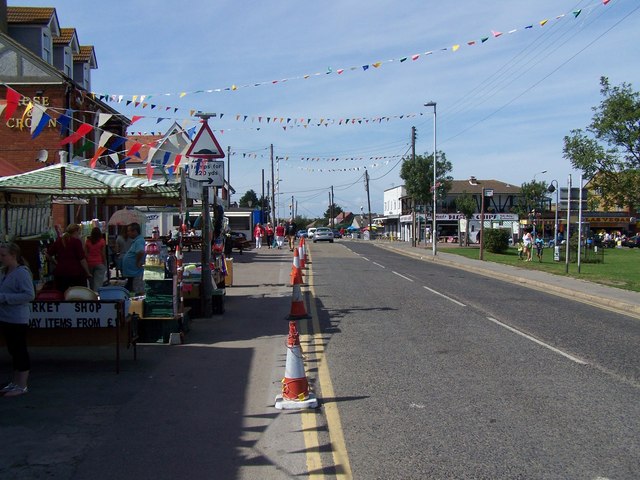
x: 366, y: 176
x: 333, y: 216
x: 274, y: 220
x: 229, y: 176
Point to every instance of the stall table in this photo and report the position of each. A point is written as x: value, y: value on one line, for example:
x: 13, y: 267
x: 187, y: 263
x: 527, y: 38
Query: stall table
x: 81, y: 323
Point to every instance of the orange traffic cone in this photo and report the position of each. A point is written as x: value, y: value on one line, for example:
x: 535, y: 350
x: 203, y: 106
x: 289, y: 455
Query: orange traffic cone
x: 296, y: 271
x: 301, y: 255
x: 298, y: 309
x: 295, y: 387
x: 304, y: 249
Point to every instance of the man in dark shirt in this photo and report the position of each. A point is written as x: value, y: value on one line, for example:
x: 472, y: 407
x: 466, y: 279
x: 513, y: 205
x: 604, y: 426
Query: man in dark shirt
x: 290, y: 229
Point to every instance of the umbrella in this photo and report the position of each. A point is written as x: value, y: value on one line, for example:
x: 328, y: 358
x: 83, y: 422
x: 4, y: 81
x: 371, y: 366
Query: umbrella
x: 351, y: 228
x: 126, y: 217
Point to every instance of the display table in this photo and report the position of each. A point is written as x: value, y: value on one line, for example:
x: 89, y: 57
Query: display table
x: 154, y: 329
x: 81, y: 323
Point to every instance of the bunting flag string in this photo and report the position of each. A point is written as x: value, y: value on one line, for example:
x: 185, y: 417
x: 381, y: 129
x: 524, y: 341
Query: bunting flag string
x: 138, y: 100
x: 102, y: 150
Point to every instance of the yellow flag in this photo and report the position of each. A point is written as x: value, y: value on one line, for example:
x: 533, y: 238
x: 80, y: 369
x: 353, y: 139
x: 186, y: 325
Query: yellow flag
x: 455, y: 47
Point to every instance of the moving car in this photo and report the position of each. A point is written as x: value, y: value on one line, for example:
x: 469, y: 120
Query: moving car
x: 323, y: 234
x: 302, y: 233
x: 336, y: 233
x: 311, y: 232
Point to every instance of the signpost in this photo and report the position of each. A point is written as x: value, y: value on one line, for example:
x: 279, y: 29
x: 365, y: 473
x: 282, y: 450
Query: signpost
x: 206, y: 148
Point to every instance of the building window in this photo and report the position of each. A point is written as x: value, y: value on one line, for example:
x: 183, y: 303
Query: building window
x: 46, y: 47
x: 67, y: 62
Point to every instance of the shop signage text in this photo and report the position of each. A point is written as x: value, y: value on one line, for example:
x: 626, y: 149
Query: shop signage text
x: 73, y: 314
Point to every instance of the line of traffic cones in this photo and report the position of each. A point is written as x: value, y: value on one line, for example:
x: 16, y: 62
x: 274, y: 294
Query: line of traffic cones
x: 295, y: 386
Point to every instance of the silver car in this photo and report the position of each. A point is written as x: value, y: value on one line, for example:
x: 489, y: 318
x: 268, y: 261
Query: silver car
x: 323, y: 234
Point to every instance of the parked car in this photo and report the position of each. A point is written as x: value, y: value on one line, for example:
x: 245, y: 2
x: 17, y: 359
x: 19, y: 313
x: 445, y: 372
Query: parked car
x: 311, y: 232
x: 323, y: 234
x: 302, y: 233
x: 336, y: 233
x: 632, y: 242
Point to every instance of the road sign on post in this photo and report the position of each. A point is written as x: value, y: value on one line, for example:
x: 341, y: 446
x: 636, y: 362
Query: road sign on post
x: 206, y: 148
x: 211, y: 172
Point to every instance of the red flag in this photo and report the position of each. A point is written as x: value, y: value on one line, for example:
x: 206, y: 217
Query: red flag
x: 149, y: 171
x: 177, y: 162
x: 13, y: 98
x: 81, y: 132
x: 134, y: 149
x: 135, y: 118
x: 99, y: 152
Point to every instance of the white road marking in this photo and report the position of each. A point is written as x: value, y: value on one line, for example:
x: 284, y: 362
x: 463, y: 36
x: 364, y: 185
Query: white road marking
x: 365, y: 258
x: 400, y: 275
x: 444, y: 296
x: 381, y: 266
x: 535, y: 340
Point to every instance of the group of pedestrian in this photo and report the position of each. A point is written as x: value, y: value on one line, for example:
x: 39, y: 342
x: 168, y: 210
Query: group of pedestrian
x: 274, y: 238
x: 78, y: 264
x: 528, y: 243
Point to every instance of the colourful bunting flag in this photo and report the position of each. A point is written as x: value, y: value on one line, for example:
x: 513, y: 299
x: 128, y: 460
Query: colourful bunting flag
x: 13, y: 98
x: 94, y: 159
x: 135, y: 148
x: 543, y: 22
x: 44, y: 120
x: 135, y: 118
x: 149, y: 171
x: 74, y: 137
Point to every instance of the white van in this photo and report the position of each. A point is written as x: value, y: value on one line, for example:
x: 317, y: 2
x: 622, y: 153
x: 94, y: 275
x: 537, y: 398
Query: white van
x: 311, y: 232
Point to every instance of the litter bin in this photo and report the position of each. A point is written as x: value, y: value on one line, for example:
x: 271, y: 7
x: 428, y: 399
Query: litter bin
x: 228, y: 279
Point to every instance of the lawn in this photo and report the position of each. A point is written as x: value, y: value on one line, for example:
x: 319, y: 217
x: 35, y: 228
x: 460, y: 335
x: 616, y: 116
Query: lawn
x: 621, y: 266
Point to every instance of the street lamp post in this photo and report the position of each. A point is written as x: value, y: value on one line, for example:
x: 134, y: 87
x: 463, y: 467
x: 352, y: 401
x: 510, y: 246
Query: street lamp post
x: 434, y: 232
x: 482, y: 226
x: 556, y: 248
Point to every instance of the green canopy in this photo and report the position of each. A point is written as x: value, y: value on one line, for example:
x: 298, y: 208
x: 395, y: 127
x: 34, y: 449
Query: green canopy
x: 67, y: 180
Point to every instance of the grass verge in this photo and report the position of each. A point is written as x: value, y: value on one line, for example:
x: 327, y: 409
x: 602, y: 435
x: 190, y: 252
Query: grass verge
x: 621, y: 266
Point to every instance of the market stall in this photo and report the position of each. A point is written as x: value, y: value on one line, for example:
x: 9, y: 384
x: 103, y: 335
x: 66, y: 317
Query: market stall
x: 56, y: 322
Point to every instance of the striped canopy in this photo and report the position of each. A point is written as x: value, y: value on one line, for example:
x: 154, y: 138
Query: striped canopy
x: 64, y: 179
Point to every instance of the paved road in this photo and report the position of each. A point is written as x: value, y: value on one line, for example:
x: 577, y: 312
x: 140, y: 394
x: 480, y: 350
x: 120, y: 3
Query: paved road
x: 435, y: 385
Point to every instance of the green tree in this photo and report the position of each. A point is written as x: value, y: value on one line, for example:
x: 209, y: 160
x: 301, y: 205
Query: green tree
x: 533, y: 196
x: 466, y: 205
x: 337, y: 210
x: 609, y: 151
x: 418, y: 177
x: 249, y: 196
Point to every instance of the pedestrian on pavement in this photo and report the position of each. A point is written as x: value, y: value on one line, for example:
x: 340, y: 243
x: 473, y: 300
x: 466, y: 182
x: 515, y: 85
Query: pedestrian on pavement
x: 95, y: 248
x: 280, y: 235
x: 268, y: 231
x: 71, y: 267
x: 539, y: 243
x: 290, y: 230
x: 16, y: 294
x: 123, y: 242
x: 527, y: 241
x: 133, y: 260
x: 258, y: 233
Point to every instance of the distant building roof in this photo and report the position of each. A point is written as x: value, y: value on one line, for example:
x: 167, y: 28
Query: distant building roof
x: 461, y: 186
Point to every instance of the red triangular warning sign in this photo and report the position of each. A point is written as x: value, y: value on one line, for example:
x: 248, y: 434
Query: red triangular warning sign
x: 205, y: 145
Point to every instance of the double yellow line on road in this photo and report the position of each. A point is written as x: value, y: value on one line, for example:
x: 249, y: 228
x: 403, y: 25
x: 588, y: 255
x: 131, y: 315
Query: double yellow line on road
x: 341, y: 467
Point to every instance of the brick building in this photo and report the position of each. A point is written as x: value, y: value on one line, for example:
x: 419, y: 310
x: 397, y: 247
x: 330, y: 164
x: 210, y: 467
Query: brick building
x: 47, y: 66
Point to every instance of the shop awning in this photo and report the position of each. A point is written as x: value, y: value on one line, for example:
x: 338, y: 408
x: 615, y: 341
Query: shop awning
x: 69, y: 180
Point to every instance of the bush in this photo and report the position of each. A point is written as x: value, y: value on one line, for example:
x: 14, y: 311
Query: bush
x: 496, y: 240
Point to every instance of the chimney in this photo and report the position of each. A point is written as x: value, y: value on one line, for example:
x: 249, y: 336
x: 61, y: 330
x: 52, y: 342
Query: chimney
x: 4, y: 26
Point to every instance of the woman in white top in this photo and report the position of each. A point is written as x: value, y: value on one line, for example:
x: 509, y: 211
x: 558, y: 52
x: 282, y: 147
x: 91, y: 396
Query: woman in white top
x: 527, y: 241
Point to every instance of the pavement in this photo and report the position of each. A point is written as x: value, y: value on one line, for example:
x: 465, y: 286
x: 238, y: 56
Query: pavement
x: 203, y: 409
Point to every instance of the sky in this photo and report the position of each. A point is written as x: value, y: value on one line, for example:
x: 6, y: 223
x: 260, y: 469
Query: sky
x: 290, y: 74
